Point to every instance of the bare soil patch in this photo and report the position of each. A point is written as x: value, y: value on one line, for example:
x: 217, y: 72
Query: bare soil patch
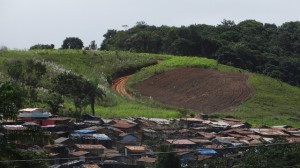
x: 119, y: 85
x: 204, y: 90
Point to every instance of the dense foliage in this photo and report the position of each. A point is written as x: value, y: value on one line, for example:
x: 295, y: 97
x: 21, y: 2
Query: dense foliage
x: 42, y: 47
x: 12, y: 148
x: 251, y: 45
x: 80, y: 89
x: 72, y: 43
x: 10, y: 100
x: 166, y: 158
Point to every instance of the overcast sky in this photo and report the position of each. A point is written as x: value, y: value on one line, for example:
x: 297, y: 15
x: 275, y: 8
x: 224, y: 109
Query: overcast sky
x: 24, y: 23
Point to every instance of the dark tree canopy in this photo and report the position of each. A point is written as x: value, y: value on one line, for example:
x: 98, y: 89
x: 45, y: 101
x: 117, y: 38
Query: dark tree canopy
x: 80, y: 89
x: 72, y: 43
x: 10, y: 100
x: 42, y: 46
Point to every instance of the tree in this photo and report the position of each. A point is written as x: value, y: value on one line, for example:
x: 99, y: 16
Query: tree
x: 79, y: 88
x: 29, y: 137
x: 72, y: 43
x: 10, y: 100
x: 93, y: 93
x: 14, y: 68
x: 54, y: 101
x: 42, y: 46
x: 167, y: 159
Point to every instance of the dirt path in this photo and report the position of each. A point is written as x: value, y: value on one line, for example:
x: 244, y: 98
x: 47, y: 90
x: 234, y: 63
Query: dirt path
x: 119, y: 85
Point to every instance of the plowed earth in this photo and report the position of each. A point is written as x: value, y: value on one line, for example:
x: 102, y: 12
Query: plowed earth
x: 204, y: 90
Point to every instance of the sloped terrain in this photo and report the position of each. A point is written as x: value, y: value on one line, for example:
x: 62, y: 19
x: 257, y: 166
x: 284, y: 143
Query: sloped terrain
x: 119, y: 85
x: 204, y: 90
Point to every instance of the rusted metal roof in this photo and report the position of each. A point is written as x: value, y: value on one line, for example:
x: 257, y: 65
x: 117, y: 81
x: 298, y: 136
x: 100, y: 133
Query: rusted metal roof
x: 147, y: 159
x: 293, y: 139
x: 90, y: 166
x: 208, y: 135
x: 180, y: 142
x: 202, y: 141
x: 192, y: 119
x: 269, y: 132
x: 136, y: 148
x: 79, y: 153
x: 240, y: 131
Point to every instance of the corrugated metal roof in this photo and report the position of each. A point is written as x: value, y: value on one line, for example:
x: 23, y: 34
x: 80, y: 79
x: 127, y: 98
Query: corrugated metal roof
x: 79, y: 153
x: 101, y: 137
x: 90, y: 166
x: 31, y: 109
x: 90, y: 146
x: 34, y: 115
x: 147, y: 159
x: 180, y: 142
x: 14, y: 127
x: 60, y: 140
x: 136, y: 148
x: 206, y: 151
x: 84, y: 131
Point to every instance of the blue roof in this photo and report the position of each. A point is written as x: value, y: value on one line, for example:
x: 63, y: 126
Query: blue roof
x: 206, y: 151
x: 34, y: 115
x: 101, y: 137
x: 84, y: 131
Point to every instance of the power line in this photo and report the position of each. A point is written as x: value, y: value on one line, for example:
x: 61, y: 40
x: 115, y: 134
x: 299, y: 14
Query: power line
x: 142, y: 154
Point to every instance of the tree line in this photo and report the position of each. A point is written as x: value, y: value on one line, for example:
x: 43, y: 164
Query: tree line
x: 258, y: 47
x: 68, y: 43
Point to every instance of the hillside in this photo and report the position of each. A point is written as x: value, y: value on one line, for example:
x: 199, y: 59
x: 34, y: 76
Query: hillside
x: 274, y: 102
x: 202, y: 90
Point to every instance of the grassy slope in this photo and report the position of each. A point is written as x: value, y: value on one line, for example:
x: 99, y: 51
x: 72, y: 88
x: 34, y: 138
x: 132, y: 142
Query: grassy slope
x: 97, y: 67
x: 274, y: 103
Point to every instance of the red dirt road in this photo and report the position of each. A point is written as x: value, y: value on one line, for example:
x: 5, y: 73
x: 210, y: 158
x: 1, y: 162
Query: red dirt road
x: 204, y: 90
x: 119, y: 86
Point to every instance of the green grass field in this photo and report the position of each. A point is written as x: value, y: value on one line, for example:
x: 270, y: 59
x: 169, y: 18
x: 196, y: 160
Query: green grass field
x: 275, y: 102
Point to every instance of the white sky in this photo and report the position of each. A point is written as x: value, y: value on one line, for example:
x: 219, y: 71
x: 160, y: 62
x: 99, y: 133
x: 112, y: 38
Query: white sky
x: 24, y: 23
